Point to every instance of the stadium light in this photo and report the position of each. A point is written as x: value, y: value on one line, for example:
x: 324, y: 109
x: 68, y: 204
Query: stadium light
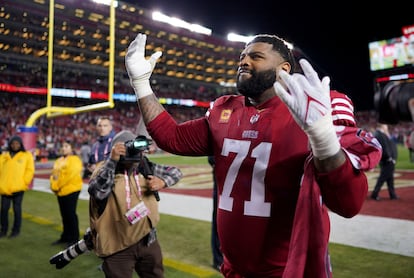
x: 238, y: 38
x: 106, y: 2
x: 241, y: 38
x: 174, y: 21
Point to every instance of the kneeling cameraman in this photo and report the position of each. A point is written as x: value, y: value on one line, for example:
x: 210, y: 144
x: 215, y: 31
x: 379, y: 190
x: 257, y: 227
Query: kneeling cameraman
x: 123, y: 209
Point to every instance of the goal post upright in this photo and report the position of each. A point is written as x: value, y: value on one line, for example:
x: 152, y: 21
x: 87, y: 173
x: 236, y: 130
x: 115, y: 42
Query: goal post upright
x: 29, y: 131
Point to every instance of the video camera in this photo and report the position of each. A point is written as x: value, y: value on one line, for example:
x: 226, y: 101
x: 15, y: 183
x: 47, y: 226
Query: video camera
x: 395, y: 102
x: 134, y: 153
x: 135, y: 148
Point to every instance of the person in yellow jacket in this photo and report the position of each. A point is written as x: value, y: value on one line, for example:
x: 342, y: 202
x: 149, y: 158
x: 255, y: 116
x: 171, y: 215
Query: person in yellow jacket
x: 66, y: 182
x: 16, y: 173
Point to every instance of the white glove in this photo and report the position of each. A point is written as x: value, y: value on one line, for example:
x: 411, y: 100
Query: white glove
x: 139, y: 69
x: 308, y: 99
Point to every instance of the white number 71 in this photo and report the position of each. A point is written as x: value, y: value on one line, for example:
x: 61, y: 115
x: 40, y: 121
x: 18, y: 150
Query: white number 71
x: 257, y: 205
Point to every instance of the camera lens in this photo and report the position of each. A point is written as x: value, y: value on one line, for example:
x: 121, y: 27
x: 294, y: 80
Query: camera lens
x: 392, y: 102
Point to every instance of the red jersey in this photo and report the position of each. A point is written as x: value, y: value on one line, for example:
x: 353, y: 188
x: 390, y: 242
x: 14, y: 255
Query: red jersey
x: 260, y: 153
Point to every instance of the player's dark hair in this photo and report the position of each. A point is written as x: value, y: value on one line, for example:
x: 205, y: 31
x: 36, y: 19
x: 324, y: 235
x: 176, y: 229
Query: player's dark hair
x: 279, y: 45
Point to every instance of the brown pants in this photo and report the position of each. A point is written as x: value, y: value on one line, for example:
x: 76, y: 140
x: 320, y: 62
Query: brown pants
x: 146, y: 260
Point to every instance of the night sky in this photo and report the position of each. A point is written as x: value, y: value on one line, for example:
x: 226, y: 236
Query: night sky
x: 333, y: 35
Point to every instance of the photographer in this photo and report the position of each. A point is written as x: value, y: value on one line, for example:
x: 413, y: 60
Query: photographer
x: 123, y: 210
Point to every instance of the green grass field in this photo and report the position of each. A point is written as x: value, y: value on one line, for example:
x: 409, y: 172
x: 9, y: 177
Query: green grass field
x: 185, y: 243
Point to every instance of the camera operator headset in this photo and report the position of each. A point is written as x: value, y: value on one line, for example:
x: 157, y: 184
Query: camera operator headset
x: 123, y: 211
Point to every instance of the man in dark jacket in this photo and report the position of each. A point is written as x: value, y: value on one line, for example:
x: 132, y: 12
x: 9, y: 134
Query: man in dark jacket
x: 101, y: 148
x: 387, y: 163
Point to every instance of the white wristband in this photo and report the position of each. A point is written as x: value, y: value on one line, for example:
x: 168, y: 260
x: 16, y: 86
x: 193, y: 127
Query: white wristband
x: 322, y: 138
x: 142, y: 88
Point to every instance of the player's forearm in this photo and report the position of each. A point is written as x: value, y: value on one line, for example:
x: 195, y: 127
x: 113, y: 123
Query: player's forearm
x: 150, y: 107
x: 344, y: 189
x: 330, y: 163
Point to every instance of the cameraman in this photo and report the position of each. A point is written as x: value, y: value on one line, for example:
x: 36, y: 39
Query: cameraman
x: 124, y: 210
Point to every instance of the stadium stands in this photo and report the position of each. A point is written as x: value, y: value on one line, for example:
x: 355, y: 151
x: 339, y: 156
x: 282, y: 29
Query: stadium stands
x: 16, y: 109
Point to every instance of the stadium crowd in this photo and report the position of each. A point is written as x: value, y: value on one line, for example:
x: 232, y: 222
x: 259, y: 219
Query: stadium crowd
x: 17, y: 108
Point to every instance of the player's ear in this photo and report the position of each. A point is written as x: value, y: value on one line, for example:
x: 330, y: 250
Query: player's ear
x: 286, y: 66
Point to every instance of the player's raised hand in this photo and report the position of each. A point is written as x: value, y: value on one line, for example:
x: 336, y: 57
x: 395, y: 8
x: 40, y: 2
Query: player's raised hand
x: 308, y: 99
x: 306, y: 95
x: 140, y: 69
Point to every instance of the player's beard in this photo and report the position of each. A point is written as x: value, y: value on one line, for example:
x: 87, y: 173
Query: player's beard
x: 257, y: 83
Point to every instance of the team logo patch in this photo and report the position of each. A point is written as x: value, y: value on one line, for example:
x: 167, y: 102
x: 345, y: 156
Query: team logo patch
x: 254, y: 118
x: 225, y: 116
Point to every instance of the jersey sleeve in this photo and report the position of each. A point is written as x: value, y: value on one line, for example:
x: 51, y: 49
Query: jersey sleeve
x: 344, y: 189
x: 362, y: 148
x: 188, y: 138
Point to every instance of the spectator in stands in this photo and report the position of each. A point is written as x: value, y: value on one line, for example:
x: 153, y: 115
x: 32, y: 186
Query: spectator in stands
x: 387, y: 163
x: 17, y: 168
x: 215, y: 241
x: 279, y: 162
x: 101, y: 148
x: 124, y: 211
x: 66, y: 182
